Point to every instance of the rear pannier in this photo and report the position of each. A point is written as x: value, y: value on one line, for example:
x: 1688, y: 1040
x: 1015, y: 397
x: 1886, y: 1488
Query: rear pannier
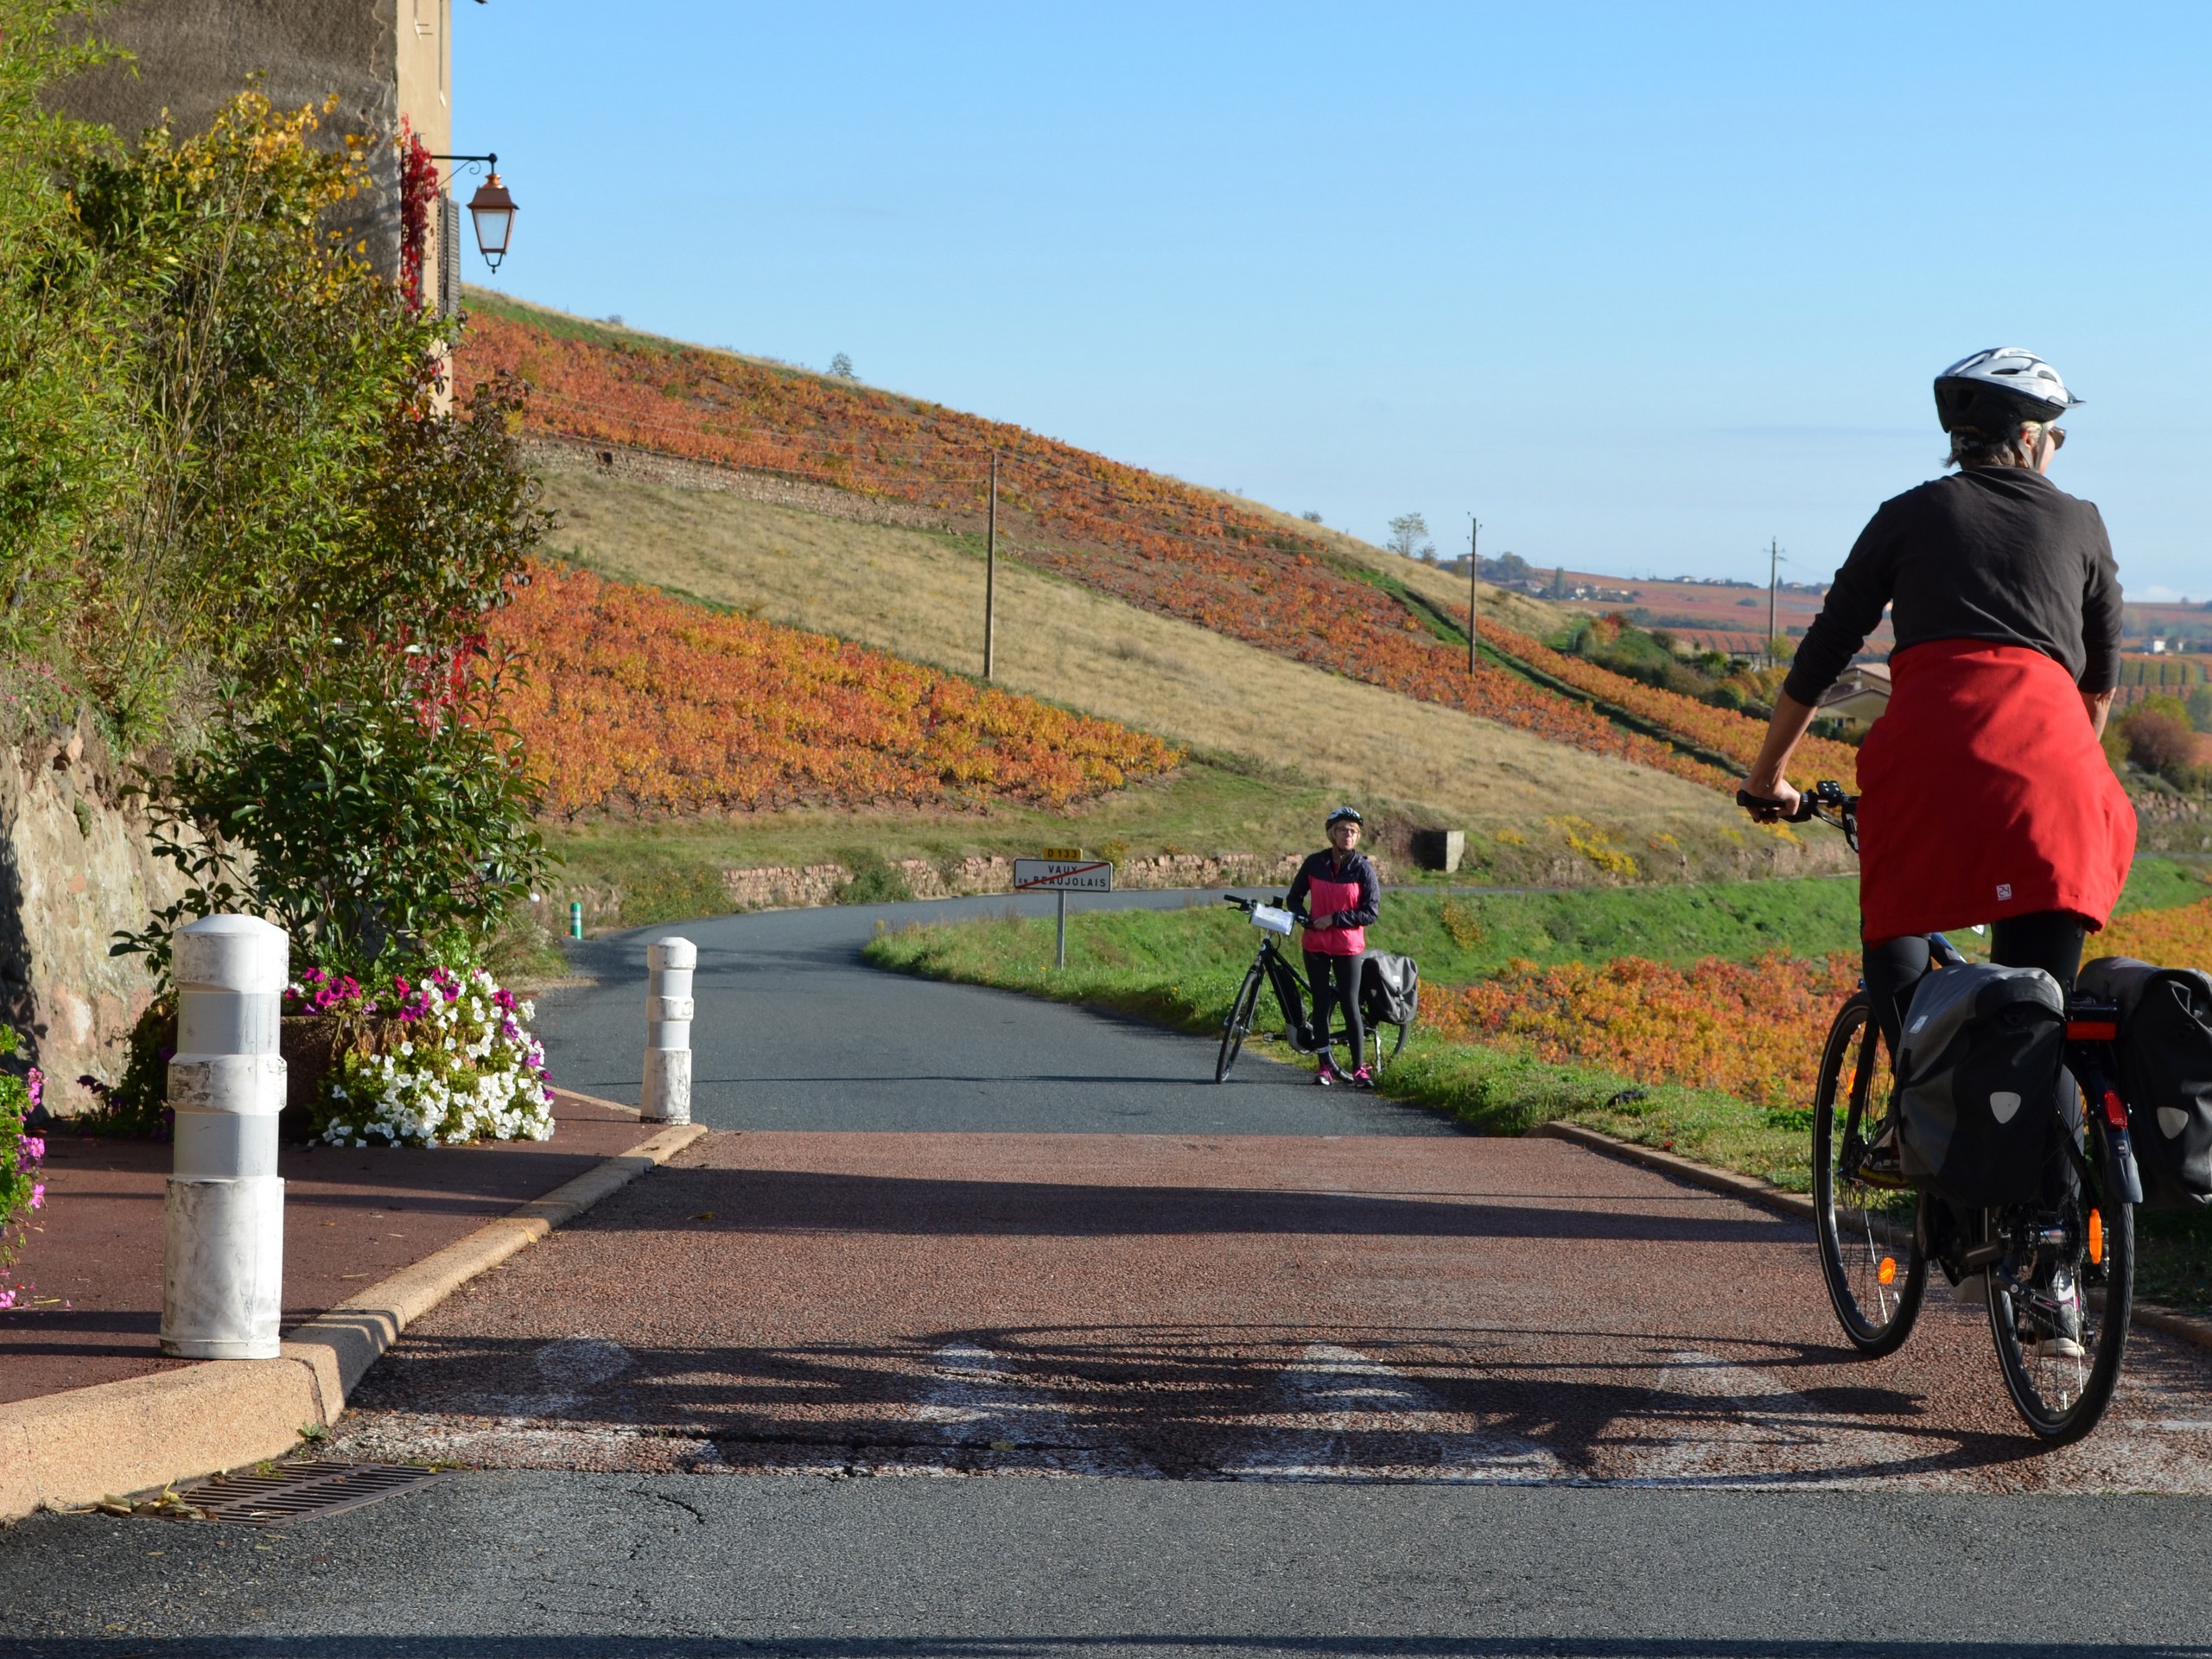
x: 1980, y: 1077
x: 1390, y: 988
x: 2165, y: 1070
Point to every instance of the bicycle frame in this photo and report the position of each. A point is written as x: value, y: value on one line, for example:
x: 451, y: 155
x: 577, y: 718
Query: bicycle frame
x: 1290, y: 994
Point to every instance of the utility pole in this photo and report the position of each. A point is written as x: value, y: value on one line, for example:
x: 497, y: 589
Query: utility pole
x: 991, y: 575
x: 1773, y: 593
x: 1474, y: 559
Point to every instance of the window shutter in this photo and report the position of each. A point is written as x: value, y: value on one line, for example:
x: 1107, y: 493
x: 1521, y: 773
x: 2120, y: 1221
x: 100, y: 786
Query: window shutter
x: 448, y: 257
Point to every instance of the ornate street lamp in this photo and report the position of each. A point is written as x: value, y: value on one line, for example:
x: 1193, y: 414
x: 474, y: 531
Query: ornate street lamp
x: 492, y: 209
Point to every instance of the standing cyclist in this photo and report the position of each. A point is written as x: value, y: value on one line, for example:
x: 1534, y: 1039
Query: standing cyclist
x: 1985, y: 796
x: 1337, y: 897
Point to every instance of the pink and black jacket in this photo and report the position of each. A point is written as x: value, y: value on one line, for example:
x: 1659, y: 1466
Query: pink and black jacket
x: 1349, y: 892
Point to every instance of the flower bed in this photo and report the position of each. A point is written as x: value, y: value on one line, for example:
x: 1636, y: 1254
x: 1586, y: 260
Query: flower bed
x: 22, y: 1191
x: 443, y: 1061
x: 636, y: 699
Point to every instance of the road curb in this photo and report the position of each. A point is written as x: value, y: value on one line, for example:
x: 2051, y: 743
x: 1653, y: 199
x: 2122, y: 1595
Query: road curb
x: 73, y: 1448
x: 2185, y: 1328
x: 1750, y: 1187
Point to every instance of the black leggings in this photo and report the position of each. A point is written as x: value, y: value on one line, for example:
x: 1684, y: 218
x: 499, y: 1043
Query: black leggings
x: 2049, y: 940
x: 1335, y: 981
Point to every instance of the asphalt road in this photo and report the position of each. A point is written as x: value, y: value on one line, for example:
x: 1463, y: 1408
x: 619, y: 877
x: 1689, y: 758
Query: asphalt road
x: 936, y: 1356
x: 793, y: 1031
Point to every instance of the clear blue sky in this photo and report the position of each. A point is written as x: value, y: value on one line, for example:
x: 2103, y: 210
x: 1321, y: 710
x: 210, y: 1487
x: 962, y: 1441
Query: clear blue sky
x: 1643, y: 284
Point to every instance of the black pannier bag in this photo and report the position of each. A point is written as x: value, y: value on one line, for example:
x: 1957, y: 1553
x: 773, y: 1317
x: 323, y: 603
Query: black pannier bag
x: 1979, y: 1076
x: 2165, y: 1069
x: 1390, y: 988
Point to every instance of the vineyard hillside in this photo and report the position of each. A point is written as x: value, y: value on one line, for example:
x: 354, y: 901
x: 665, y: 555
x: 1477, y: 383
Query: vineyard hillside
x: 1150, y: 541
x: 920, y: 594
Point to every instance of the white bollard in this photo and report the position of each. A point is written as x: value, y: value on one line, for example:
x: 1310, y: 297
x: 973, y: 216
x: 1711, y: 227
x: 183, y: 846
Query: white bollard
x: 667, y: 1098
x: 223, y: 1246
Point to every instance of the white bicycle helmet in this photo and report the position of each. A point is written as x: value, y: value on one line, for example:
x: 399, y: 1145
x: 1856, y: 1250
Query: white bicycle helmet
x: 1998, y: 388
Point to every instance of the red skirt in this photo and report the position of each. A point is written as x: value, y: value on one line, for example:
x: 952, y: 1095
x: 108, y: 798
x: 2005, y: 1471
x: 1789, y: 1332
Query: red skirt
x: 1983, y: 794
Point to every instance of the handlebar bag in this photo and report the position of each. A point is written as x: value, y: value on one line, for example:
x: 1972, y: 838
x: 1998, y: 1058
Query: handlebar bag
x: 2166, y: 1067
x: 1980, y: 1074
x: 1390, y: 988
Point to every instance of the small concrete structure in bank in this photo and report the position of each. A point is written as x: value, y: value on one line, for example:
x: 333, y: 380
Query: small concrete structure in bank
x: 1439, y: 849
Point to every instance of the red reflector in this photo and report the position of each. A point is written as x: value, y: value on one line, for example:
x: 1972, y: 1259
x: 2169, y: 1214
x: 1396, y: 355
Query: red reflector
x: 2093, y: 1031
x: 2115, y: 1109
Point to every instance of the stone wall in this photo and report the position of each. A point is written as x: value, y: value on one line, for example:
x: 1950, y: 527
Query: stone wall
x: 575, y: 455
x: 785, y: 887
x: 75, y: 868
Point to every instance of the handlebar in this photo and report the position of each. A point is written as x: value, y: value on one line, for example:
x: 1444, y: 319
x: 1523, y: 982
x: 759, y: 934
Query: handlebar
x: 1825, y: 800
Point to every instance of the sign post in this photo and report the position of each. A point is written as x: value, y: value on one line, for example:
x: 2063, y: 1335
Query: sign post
x: 1060, y: 876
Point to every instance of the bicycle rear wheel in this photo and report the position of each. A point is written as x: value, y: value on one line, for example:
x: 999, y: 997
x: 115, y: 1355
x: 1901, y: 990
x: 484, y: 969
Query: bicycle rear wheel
x: 1238, y: 1022
x: 2059, y: 1301
x: 1871, y: 1253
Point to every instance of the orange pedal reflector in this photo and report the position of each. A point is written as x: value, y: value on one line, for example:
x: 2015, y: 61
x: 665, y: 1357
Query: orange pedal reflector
x: 2096, y: 1236
x: 1887, y: 1273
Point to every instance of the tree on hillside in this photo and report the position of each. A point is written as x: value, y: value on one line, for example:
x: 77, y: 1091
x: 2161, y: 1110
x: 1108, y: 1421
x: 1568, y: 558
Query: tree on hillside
x: 841, y: 367
x: 1408, y: 537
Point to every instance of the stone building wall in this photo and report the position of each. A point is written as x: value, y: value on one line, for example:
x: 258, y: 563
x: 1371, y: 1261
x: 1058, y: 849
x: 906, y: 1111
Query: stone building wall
x: 75, y: 869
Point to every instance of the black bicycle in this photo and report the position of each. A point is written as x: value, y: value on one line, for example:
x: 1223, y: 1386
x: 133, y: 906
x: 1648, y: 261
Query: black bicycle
x: 2060, y: 1281
x: 1271, y: 968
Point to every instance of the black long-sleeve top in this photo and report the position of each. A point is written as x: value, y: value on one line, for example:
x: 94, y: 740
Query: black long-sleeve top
x: 1996, y: 553
x: 1322, y: 865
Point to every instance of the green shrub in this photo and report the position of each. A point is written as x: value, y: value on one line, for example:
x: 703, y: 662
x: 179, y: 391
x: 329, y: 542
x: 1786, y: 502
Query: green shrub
x: 873, y: 881
x: 374, y: 817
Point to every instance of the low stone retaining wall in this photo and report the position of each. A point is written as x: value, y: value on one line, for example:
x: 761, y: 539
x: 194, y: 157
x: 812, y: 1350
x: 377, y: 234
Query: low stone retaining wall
x: 605, y: 460
x: 785, y: 887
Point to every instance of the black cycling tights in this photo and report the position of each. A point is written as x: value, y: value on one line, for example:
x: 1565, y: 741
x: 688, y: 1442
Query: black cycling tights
x: 1335, y: 981
x: 2049, y: 940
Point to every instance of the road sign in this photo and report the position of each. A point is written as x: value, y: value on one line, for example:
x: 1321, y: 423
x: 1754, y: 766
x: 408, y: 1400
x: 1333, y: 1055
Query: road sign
x: 1071, y: 854
x: 1062, y: 875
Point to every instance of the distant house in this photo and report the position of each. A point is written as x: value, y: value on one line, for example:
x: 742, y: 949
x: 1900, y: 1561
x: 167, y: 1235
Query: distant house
x: 389, y: 61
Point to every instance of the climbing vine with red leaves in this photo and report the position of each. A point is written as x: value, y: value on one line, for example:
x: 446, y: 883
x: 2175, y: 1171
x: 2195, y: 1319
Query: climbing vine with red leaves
x: 418, y: 188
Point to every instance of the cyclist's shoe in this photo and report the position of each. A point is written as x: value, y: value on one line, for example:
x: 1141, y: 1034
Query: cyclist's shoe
x: 1326, y: 1074
x: 1363, y: 1078
x: 2060, y: 1348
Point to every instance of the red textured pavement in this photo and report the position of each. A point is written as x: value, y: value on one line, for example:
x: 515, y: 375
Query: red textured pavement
x: 1239, y: 1308
x: 350, y: 1217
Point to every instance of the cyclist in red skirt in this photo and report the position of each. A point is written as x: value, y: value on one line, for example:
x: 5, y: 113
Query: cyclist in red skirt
x: 1985, y: 793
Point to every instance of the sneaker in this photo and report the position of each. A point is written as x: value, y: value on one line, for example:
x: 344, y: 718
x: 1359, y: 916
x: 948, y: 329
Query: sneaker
x: 1363, y: 1078
x: 1972, y: 1291
x: 1325, y: 1076
x: 2060, y: 1348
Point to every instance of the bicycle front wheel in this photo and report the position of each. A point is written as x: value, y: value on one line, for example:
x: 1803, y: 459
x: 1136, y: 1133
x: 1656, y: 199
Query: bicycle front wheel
x: 2060, y: 1296
x: 1870, y: 1255
x: 1238, y: 1022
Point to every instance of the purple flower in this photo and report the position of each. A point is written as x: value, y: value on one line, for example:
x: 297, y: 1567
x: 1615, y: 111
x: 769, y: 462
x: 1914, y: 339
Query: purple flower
x: 33, y: 1148
x: 38, y: 1196
x: 37, y: 1081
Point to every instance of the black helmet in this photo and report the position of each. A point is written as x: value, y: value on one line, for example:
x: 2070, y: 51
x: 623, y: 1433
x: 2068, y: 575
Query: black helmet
x: 1344, y: 815
x: 1993, y: 391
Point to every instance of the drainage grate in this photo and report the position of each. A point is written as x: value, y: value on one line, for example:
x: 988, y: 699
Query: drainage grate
x: 300, y: 1491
